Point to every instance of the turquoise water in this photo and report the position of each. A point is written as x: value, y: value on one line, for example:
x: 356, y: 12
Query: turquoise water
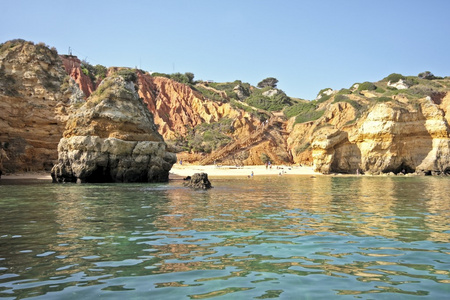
x: 259, y: 238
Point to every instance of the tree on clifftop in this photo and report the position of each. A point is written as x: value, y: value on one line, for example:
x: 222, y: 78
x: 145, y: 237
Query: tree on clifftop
x: 269, y: 81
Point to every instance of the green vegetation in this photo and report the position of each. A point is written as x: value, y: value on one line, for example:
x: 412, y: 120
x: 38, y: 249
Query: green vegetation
x: 304, y: 112
x: 268, y: 82
x: 265, y: 158
x: 367, y: 86
x: 206, y: 137
x: 97, y: 72
x: 344, y: 92
x: 186, y: 78
x: 128, y: 74
x: 383, y: 99
x: 211, y: 95
x: 275, y: 102
x: 343, y: 98
x: 261, y: 115
x: 302, y: 148
x: 394, y: 77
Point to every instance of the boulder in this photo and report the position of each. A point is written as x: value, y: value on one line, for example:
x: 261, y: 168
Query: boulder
x: 198, y: 181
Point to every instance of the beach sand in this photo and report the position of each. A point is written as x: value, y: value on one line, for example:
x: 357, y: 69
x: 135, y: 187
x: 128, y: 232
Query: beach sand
x: 27, y: 176
x: 181, y: 171
x: 219, y: 171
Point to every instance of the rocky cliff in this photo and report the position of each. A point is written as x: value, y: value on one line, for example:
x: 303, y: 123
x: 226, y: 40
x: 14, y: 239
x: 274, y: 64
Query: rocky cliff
x: 403, y: 135
x: 112, y: 138
x: 33, y: 105
x: 177, y: 108
x: 399, y: 124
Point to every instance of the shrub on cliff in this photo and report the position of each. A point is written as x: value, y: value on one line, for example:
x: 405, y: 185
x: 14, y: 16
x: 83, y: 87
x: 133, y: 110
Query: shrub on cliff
x: 128, y: 74
x: 426, y: 75
x: 394, y: 77
x: 186, y: 78
x: 304, y: 112
x: 367, y: 86
x: 262, y: 100
x: 93, y: 72
x: 268, y: 82
x: 207, y: 137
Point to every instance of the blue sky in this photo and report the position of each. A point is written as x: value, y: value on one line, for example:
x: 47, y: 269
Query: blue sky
x: 306, y: 45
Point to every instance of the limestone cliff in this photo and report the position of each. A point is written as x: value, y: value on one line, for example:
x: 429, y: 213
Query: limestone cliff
x: 397, y: 124
x: 33, y: 105
x: 402, y: 135
x: 112, y: 138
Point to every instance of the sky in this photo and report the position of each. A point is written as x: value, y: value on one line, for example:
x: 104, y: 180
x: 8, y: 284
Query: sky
x: 306, y: 45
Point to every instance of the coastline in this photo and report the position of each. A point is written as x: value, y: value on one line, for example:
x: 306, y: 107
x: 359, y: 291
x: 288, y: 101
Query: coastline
x: 27, y: 175
x: 181, y: 171
x: 223, y: 171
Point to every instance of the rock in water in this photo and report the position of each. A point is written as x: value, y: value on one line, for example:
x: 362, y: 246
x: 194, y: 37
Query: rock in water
x: 112, y: 138
x: 199, y: 181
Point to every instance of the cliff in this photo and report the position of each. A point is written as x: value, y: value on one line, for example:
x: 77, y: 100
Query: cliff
x: 72, y: 66
x: 32, y: 105
x: 178, y: 108
x: 404, y: 134
x: 112, y: 138
x: 398, y: 124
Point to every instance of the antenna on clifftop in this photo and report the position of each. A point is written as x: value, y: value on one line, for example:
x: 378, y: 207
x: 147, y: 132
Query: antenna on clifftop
x: 70, y: 51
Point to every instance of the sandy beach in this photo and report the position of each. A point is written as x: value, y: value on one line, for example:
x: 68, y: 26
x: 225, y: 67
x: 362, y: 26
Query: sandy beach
x: 27, y: 176
x: 180, y: 171
x: 219, y: 171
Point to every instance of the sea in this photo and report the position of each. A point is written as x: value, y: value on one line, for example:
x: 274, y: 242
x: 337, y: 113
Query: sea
x: 273, y: 237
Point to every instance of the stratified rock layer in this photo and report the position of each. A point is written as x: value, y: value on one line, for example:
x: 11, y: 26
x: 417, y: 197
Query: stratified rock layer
x: 392, y: 137
x: 32, y: 106
x: 112, y: 138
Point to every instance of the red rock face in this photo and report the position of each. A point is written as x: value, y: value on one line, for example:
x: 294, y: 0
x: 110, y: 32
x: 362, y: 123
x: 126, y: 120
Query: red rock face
x: 72, y: 65
x: 176, y: 107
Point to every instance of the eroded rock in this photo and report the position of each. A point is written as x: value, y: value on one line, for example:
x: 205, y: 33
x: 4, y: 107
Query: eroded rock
x: 112, y: 138
x: 198, y: 181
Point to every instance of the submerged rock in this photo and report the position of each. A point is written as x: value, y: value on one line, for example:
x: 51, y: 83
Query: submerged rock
x: 112, y: 138
x: 198, y: 181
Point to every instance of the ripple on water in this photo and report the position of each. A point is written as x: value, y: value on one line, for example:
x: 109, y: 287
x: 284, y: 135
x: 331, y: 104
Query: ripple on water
x: 262, y: 238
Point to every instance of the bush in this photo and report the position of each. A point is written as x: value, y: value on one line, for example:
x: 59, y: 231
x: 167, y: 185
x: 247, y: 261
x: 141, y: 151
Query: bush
x: 265, y: 158
x: 268, y: 82
x: 207, y: 137
x: 323, y: 99
x: 304, y: 112
x: 128, y: 74
x: 344, y: 92
x: 383, y: 99
x: 340, y: 98
x: 100, y: 71
x: 394, y: 77
x: 426, y: 75
x: 274, y: 103
x: 186, y: 78
x: 367, y: 86
x: 309, y: 116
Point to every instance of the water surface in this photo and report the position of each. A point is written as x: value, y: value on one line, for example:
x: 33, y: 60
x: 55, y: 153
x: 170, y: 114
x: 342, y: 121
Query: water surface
x: 266, y: 237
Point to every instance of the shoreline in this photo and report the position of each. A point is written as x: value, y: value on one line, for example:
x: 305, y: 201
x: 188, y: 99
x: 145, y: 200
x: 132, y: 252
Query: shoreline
x: 181, y: 171
x: 234, y: 171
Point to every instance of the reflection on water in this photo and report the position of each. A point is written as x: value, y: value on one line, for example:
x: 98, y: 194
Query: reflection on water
x: 265, y: 237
